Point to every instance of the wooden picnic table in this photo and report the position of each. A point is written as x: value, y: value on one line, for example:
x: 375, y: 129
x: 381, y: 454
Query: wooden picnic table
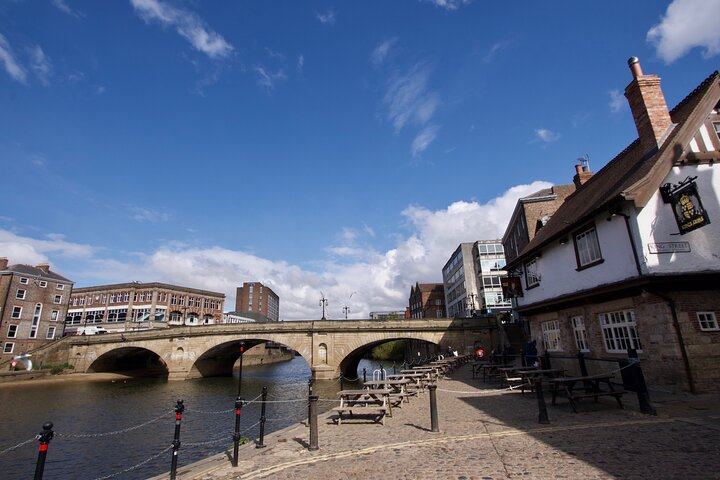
x: 587, y: 386
x: 373, y: 403
x: 530, y: 375
x: 491, y: 369
x: 419, y: 379
x: 396, y: 388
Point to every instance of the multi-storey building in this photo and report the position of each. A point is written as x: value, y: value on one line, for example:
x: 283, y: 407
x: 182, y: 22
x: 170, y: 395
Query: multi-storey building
x: 128, y: 306
x: 472, y: 279
x: 33, y: 303
x: 630, y: 260
x: 490, y: 269
x: 427, y: 300
x: 256, y: 298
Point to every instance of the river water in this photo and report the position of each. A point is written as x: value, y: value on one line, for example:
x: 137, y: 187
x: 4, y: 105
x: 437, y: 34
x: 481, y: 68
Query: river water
x: 86, y: 415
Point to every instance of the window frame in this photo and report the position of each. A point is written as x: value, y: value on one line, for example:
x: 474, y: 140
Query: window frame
x: 48, y: 336
x: 18, y: 296
x: 60, y: 286
x: 546, y: 331
x: 5, y: 347
x: 24, y: 281
x: 57, y: 300
x: 583, y: 231
x: 15, y: 330
x: 612, y: 327
x: 580, y: 331
x: 536, y: 277
x: 712, y: 317
x: 42, y: 284
x: 19, y: 313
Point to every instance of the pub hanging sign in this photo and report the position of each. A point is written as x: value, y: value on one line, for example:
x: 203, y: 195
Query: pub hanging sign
x: 687, y: 205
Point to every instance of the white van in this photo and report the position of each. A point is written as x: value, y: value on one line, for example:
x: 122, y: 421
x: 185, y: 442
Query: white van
x: 90, y: 331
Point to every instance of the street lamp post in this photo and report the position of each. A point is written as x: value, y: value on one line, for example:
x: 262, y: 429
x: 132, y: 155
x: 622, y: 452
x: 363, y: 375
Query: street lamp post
x: 323, y: 304
x: 346, y: 309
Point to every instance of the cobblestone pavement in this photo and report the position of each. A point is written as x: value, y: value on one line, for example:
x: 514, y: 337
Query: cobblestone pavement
x: 487, y: 433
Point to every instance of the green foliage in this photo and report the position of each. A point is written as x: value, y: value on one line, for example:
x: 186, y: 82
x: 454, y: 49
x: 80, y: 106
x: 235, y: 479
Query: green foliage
x: 57, y: 368
x: 394, y: 350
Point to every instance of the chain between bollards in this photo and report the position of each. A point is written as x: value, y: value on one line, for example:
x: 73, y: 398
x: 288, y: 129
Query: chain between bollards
x: 261, y: 441
x: 239, y: 402
x: 179, y: 409
x: 313, y: 401
x: 44, y: 437
x: 433, y: 409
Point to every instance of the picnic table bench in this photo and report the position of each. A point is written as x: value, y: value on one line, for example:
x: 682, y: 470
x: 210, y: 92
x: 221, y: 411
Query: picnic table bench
x: 363, y: 403
x: 587, y: 386
x: 530, y: 375
x: 396, y: 388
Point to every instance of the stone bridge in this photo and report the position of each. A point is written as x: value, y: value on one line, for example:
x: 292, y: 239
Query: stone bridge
x: 329, y: 347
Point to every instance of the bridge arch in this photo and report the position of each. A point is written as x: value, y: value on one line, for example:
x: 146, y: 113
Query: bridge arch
x: 348, y: 364
x: 131, y: 361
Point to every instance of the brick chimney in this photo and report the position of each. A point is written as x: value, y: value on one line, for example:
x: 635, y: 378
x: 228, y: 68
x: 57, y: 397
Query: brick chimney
x: 44, y: 267
x: 3, y: 263
x: 582, y: 175
x: 648, y: 106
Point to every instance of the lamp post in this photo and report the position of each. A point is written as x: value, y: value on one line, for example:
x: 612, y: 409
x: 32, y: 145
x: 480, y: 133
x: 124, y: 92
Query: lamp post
x: 346, y: 309
x: 323, y: 304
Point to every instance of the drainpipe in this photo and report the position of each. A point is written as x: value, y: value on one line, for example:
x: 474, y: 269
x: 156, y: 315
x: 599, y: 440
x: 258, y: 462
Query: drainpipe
x: 630, y: 236
x: 681, y: 340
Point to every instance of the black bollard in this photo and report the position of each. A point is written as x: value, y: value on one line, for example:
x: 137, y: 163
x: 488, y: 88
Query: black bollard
x: 313, y: 423
x: 542, y: 408
x: 640, y: 385
x: 310, y: 392
x: 433, y: 409
x: 342, y: 385
x: 179, y: 409
x: 236, y: 436
x: 364, y: 375
x: 44, y: 437
x: 261, y: 442
x: 394, y: 369
x: 583, y: 367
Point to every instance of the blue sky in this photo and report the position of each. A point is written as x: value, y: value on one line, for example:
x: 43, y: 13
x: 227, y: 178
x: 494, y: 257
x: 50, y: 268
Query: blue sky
x: 342, y: 147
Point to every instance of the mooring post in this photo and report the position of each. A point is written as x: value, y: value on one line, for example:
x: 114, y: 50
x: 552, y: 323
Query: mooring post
x: 261, y: 442
x: 640, y: 385
x: 433, y: 409
x: 313, y: 400
x: 44, y: 437
x: 542, y: 408
x: 236, y: 436
x: 179, y: 409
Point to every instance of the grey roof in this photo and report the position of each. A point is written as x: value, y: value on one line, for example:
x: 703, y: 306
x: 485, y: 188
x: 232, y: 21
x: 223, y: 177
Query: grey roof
x: 36, y: 272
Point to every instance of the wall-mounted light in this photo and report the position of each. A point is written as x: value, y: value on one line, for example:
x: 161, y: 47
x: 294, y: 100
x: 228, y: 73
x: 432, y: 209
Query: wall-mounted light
x: 563, y: 240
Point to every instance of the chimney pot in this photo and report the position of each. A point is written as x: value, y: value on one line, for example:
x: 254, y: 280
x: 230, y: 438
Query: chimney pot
x: 45, y: 267
x: 3, y: 263
x: 634, y: 64
x: 578, y: 168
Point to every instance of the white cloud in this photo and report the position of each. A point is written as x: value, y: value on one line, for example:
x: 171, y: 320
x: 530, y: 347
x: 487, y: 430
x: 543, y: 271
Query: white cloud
x: 267, y: 79
x: 617, y: 101
x: 547, y: 136
x: 381, y: 280
x: 381, y: 52
x: 65, y: 8
x: 12, y: 68
x: 41, y: 65
x: 141, y: 214
x: 327, y: 18
x: 449, y: 4
x: 423, y: 139
x: 687, y: 24
x: 408, y: 99
x: 19, y: 249
x: 300, y: 63
x: 494, y: 50
x: 187, y: 24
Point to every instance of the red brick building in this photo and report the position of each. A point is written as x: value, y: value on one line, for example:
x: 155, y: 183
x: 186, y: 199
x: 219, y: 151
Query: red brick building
x: 257, y: 299
x: 427, y: 300
x: 33, y: 305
